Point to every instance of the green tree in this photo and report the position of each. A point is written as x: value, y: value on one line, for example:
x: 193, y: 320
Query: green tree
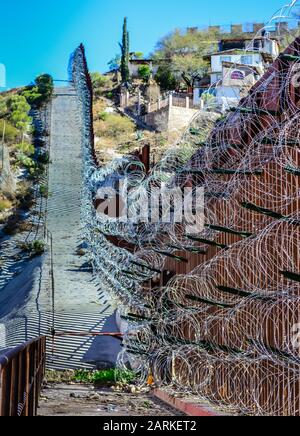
x: 44, y: 82
x: 125, y: 54
x: 11, y: 133
x: 115, y: 63
x: 137, y: 55
x: 166, y: 78
x: 19, y: 109
x: 145, y: 72
x: 32, y: 95
x: 189, y: 68
x: 184, y: 54
x: 41, y: 91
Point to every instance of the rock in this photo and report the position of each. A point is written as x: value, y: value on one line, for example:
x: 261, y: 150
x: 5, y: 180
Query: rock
x: 74, y: 395
x: 111, y: 408
x: 94, y: 397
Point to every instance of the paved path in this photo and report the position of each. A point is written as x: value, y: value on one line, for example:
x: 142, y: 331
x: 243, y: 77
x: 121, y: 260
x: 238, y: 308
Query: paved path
x: 78, y: 304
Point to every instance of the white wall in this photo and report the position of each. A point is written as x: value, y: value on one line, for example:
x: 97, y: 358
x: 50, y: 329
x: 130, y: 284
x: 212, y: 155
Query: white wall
x: 227, y: 97
x: 228, y: 92
x: 216, y: 61
x: 134, y: 68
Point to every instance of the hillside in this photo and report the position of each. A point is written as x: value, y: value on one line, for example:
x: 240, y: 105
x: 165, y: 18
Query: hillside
x: 23, y: 159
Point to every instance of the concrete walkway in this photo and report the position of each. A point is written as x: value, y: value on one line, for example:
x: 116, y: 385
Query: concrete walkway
x: 79, y: 307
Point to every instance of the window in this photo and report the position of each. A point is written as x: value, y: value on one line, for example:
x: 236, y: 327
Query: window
x: 225, y: 58
x: 237, y: 75
x: 247, y: 60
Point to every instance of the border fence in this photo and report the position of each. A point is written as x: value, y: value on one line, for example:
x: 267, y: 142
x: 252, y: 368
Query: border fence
x: 22, y: 370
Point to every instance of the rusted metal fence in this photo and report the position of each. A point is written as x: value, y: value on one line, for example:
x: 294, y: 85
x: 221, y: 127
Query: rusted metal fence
x: 21, y: 375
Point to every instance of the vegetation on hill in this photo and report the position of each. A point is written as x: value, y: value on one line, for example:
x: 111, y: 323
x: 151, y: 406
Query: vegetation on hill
x: 182, y: 54
x: 26, y: 161
x: 104, y: 85
x: 40, y: 91
x: 181, y: 58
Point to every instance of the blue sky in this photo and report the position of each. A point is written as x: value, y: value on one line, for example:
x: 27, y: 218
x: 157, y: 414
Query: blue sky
x: 37, y: 37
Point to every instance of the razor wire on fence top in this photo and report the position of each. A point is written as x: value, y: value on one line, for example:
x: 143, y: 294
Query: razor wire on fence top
x: 225, y: 326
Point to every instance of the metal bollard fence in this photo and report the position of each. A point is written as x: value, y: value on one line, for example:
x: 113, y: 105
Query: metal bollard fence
x: 22, y: 370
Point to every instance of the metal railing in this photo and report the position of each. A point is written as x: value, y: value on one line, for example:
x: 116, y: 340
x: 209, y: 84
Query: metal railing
x: 22, y: 370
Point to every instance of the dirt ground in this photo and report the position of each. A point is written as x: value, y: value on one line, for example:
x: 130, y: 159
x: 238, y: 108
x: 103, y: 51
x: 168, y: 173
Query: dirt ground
x: 85, y: 400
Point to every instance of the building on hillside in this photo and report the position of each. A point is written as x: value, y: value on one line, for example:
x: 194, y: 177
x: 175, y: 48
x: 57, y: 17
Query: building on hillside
x: 264, y: 44
x: 251, y: 30
x: 235, y: 68
x: 136, y: 64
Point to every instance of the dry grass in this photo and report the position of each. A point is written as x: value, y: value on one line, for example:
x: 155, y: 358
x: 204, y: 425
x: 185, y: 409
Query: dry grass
x: 5, y: 204
x: 98, y: 108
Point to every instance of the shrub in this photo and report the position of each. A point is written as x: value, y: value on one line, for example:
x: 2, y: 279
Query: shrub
x: 99, y: 83
x: 35, y: 248
x: 5, y: 204
x: 145, y: 73
x: 11, y: 133
x: 104, y: 377
x: 3, y: 106
x: 44, y: 192
x: 37, y: 171
x: 103, y: 116
x: 25, y: 148
x: 19, y: 108
x: 43, y: 157
x: 208, y: 98
x: 45, y: 85
x: 115, y: 126
x: 25, y: 161
x: 166, y: 79
x: 33, y: 95
x: 41, y: 91
x: 24, y: 195
x: 110, y: 95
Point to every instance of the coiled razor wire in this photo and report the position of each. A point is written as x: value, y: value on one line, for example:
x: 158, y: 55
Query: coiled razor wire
x: 228, y: 329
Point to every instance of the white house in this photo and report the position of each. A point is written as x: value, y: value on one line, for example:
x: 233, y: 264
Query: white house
x: 136, y: 64
x: 235, y: 70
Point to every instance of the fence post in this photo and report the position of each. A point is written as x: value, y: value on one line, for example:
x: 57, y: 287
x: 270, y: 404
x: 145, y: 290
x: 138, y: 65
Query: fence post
x: 187, y: 102
x: 139, y: 104
x: 170, y: 100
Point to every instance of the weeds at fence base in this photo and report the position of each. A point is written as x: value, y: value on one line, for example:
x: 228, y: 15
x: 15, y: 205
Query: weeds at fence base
x: 109, y: 377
